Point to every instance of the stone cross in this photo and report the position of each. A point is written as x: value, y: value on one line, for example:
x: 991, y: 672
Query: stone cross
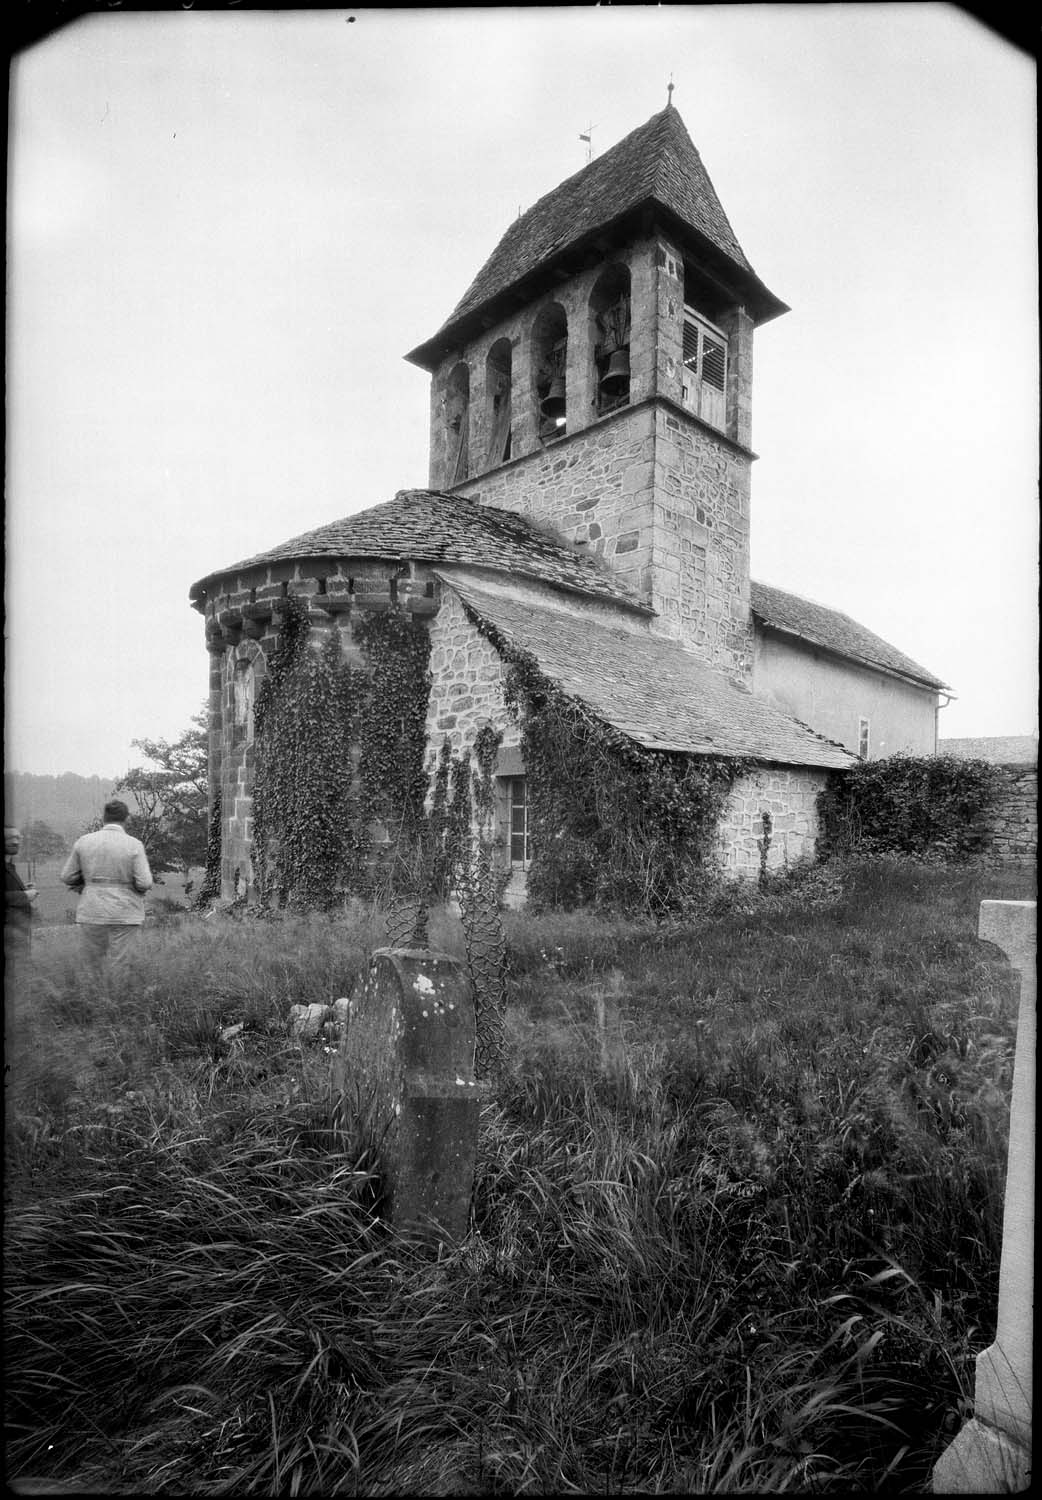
x: 406, y: 1071
x: 992, y: 1453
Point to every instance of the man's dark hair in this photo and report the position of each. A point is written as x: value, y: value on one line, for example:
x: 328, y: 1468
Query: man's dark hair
x: 116, y: 812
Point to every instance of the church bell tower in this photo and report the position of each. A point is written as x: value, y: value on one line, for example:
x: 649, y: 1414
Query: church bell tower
x: 597, y: 376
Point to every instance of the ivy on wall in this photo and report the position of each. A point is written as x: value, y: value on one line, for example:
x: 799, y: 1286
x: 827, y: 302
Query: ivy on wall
x: 932, y: 805
x: 462, y: 811
x: 211, y: 885
x: 308, y: 820
x: 339, y: 754
x: 393, y: 729
x: 448, y: 821
x: 609, y: 821
x: 486, y: 748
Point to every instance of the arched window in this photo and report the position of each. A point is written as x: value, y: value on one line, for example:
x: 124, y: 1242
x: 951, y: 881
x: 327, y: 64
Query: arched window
x: 610, y: 338
x: 549, y: 371
x: 498, y: 397
x: 457, y: 421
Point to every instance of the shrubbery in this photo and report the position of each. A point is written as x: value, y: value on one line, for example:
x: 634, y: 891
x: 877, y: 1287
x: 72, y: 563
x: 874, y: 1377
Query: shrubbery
x: 931, y: 806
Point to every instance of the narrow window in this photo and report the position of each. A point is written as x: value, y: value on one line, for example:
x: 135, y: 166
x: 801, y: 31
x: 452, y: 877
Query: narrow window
x: 245, y: 689
x: 862, y: 739
x: 517, y: 805
x: 705, y: 369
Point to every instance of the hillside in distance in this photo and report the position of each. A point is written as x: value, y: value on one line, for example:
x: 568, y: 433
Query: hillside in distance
x: 67, y: 803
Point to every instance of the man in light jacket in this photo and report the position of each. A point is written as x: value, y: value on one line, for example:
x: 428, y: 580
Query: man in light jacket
x: 111, y: 871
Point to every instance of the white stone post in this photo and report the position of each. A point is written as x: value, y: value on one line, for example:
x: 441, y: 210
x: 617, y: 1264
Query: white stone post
x: 992, y: 1453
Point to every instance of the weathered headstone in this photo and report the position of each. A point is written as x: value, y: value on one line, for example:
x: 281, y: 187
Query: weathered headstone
x: 992, y: 1453
x: 406, y: 1067
x: 306, y: 1021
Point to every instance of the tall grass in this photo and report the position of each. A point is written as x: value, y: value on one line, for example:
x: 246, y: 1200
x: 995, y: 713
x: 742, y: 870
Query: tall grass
x: 736, y: 1219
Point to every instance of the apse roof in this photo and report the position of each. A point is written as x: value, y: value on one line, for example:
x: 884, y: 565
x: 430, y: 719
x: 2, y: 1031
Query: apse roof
x: 430, y: 526
x: 821, y: 626
x: 645, y: 686
x: 655, y: 166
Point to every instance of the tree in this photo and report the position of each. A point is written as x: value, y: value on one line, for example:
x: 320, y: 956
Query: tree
x: 171, y: 799
x: 40, y: 841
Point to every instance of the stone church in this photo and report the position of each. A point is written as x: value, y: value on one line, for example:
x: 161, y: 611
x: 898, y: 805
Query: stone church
x: 589, y: 504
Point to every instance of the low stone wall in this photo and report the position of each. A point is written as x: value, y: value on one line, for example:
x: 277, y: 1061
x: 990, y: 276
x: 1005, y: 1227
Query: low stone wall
x: 1014, y: 819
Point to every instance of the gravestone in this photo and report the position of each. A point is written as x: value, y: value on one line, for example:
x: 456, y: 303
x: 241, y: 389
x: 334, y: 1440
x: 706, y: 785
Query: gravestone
x: 406, y: 1072
x: 992, y: 1453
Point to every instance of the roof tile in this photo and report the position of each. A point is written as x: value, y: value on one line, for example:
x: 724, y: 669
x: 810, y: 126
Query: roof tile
x: 821, y: 626
x: 656, y: 163
x: 430, y: 526
x: 648, y: 687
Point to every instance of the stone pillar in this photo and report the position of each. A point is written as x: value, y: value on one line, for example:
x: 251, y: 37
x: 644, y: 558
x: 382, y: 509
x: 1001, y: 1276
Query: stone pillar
x: 406, y: 1072
x: 524, y: 422
x: 739, y: 329
x: 581, y: 394
x: 992, y: 1453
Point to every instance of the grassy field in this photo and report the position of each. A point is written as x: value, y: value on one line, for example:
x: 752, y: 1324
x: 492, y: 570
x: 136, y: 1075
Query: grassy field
x: 56, y: 904
x: 736, y: 1220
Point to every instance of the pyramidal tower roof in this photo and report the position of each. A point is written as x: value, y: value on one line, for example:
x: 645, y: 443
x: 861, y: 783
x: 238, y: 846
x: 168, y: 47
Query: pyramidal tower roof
x: 656, y: 167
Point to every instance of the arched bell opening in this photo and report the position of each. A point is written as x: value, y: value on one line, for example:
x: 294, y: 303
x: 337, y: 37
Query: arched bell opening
x: 610, y: 339
x: 457, y: 423
x: 499, y: 402
x: 549, y: 371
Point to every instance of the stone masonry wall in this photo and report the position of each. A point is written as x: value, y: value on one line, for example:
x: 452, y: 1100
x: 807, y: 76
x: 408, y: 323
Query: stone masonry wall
x: 666, y: 503
x: 466, y: 694
x: 467, y: 675
x: 593, y: 486
x: 662, y: 496
x: 1014, y: 821
x: 790, y: 795
x: 243, y: 627
x: 572, y: 297
x: 700, y: 560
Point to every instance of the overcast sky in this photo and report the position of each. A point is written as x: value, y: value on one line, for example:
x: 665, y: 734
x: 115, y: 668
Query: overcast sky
x: 225, y: 229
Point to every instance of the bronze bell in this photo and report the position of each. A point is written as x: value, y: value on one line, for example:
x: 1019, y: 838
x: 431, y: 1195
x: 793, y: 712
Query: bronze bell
x: 616, y: 378
x: 552, y: 404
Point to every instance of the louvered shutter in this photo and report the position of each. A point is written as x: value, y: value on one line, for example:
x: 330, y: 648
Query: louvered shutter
x: 691, y: 342
x: 705, y: 370
x: 714, y: 372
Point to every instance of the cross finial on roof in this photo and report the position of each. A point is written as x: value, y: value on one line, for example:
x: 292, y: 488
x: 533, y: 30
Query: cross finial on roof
x: 669, y: 91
